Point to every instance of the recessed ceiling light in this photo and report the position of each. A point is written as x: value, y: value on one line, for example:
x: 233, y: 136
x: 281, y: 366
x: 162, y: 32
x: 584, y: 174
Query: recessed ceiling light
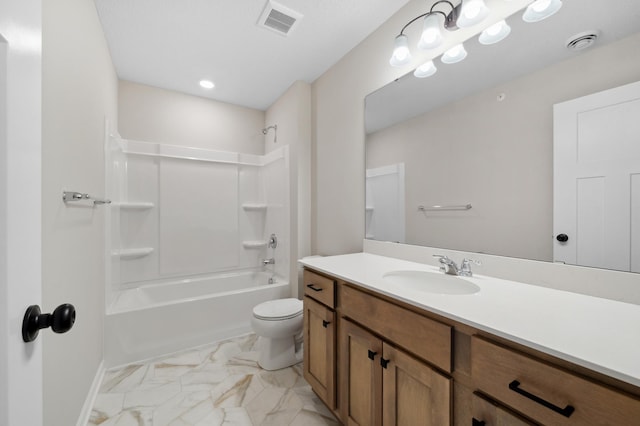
x: 207, y: 84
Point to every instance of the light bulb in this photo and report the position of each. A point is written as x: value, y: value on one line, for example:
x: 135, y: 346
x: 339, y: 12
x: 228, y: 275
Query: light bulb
x: 431, y: 35
x: 541, y: 9
x: 472, y: 12
x: 455, y: 54
x: 401, y: 55
x: 425, y: 70
x: 495, y: 33
x: 206, y: 84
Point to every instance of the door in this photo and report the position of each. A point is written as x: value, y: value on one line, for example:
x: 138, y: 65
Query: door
x: 361, y: 376
x: 20, y: 241
x: 596, y: 217
x: 413, y: 393
x: 319, y: 350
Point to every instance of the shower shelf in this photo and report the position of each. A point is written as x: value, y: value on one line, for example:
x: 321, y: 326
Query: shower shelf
x: 133, y: 253
x: 254, y: 244
x: 127, y: 205
x: 253, y: 207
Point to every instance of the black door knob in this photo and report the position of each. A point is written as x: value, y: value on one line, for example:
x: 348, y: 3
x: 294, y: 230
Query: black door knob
x: 563, y: 238
x: 60, y: 321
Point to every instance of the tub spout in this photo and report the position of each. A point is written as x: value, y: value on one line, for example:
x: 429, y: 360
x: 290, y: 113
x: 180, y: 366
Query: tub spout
x: 271, y: 261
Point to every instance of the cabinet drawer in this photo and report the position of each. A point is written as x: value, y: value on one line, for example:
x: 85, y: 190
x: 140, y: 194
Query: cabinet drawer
x: 486, y: 413
x: 545, y: 393
x: 319, y: 288
x: 424, y: 337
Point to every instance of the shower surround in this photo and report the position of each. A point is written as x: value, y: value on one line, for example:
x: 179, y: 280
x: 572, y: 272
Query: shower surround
x: 189, y: 229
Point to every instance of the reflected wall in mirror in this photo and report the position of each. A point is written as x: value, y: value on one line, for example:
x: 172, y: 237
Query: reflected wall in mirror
x: 480, y: 132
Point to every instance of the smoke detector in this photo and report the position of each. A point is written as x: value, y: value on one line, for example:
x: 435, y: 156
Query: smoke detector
x: 582, y: 40
x: 279, y: 19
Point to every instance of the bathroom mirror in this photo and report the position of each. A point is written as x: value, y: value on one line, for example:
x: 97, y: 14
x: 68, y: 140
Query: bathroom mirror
x: 463, y: 159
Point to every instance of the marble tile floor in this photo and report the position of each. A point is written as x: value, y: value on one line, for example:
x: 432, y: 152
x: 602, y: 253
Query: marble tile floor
x: 220, y: 384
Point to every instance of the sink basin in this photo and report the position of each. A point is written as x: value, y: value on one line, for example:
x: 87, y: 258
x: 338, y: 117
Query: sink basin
x: 430, y: 282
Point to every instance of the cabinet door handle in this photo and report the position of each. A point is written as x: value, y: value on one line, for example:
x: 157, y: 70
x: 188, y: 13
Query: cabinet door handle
x: 384, y: 362
x: 566, y: 411
x: 325, y: 323
x: 476, y: 422
x: 372, y: 354
x: 314, y: 288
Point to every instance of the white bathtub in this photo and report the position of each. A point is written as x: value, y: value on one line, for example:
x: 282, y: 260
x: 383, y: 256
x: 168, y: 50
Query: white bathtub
x: 158, y: 319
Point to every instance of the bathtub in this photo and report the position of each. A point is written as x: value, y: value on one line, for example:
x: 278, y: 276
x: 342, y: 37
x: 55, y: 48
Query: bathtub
x: 160, y: 318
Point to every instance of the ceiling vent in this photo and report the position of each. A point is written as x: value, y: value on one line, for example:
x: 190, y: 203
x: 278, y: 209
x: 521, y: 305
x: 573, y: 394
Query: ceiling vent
x: 582, y: 40
x: 279, y: 18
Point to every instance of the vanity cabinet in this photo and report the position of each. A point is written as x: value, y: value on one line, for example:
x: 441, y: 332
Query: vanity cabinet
x: 397, y: 364
x: 383, y: 385
x: 319, y: 335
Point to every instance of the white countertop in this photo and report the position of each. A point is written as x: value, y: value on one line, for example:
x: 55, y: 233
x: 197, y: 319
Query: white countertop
x: 600, y: 334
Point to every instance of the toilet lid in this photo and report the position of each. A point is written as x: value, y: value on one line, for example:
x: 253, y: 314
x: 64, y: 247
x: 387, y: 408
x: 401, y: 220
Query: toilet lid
x: 278, y: 309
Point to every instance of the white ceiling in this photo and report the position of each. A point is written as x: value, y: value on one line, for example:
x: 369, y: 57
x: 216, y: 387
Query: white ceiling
x: 173, y: 44
x: 529, y: 47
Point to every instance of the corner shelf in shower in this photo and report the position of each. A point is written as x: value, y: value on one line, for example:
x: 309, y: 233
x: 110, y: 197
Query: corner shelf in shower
x: 258, y: 244
x: 140, y: 205
x: 254, y: 207
x: 132, y: 253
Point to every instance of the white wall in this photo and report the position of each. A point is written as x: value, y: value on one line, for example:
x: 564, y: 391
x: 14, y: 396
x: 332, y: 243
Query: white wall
x: 79, y: 91
x: 163, y: 116
x: 507, y: 172
x: 292, y: 113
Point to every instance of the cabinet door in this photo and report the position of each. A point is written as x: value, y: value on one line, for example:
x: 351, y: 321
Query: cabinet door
x: 361, y: 376
x: 413, y: 393
x: 319, y: 350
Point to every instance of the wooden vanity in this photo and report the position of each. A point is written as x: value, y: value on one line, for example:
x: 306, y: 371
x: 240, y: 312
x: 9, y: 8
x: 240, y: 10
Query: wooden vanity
x: 376, y: 360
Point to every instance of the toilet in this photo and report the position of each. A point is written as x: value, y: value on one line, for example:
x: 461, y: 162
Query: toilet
x: 278, y: 323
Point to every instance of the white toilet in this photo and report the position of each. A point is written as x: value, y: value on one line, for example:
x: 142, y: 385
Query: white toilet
x: 279, y: 325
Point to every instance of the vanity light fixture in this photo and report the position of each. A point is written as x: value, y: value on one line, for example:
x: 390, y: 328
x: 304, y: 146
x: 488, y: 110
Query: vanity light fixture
x: 466, y: 14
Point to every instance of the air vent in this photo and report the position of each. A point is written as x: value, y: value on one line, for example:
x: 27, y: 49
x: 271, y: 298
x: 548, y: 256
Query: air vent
x: 279, y: 18
x: 582, y: 40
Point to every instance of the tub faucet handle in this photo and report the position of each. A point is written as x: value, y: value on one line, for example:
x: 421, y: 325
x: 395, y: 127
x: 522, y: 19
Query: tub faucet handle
x: 270, y: 261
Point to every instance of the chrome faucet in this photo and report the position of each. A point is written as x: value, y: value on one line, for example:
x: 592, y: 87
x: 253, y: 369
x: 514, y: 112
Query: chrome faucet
x: 270, y: 261
x: 449, y: 267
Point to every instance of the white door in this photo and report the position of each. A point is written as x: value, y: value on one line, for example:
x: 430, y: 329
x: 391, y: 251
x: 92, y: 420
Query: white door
x: 385, y: 219
x: 597, y: 180
x: 20, y: 241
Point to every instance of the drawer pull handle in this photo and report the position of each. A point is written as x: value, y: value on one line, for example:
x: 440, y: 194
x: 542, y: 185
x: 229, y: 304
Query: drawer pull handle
x: 384, y: 362
x: 314, y: 288
x: 372, y: 354
x: 476, y: 422
x: 566, y: 411
x: 325, y: 323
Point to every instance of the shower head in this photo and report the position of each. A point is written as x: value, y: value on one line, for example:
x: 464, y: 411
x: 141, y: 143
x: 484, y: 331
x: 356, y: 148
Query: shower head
x: 275, y: 129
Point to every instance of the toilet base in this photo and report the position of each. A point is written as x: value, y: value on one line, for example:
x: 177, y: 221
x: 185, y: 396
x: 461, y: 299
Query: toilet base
x: 278, y: 353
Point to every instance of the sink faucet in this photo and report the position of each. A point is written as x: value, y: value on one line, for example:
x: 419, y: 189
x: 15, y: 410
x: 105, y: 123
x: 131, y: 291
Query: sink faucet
x: 270, y: 261
x: 449, y: 267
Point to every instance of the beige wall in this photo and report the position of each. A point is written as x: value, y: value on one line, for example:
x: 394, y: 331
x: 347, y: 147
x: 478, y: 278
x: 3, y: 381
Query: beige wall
x: 79, y: 90
x: 157, y: 115
x: 498, y: 156
x: 292, y: 113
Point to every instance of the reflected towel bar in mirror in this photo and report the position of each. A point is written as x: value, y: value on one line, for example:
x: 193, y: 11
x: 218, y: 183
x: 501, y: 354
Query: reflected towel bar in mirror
x: 438, y: 208
x: 69, y: 196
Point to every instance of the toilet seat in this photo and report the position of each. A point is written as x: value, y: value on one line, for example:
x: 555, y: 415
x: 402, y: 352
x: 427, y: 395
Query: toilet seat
x: 278, y: 310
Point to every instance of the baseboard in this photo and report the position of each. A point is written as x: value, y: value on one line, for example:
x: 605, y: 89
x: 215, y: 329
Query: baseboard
x: 85, y: 414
